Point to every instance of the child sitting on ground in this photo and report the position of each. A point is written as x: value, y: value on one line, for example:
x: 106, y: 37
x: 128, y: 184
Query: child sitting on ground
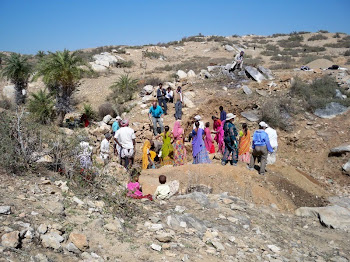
x: 165, y: 191
x: 134, y: 189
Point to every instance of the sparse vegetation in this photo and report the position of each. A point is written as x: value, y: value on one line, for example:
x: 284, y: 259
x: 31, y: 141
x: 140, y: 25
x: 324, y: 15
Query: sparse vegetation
x: 292, y: 41
x: 323, y: 31
x: 341, y: 43
x: 89, y: 111
x: 41, y: 106
x: 317, y: 94
x: 285, y: 59
x: 125, y: 64
x: 152, y: 55
x: 282, y: 66
x: 317, y: 37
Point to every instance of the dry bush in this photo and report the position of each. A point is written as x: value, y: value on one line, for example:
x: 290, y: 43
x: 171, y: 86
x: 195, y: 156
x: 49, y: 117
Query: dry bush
x: 347, y: 53
x: 6, y: 104
x: 271, y: 50
x: 278, y: 34
x: 341, y: 43
x: 154, y: 81
x: 195, y: 38
x: 125, y: 64
x: 285, y: 59
x: 106, y: 109
x: 292, y: 41
x: 152, y: 55
x: 313, y: 49
x: 322, y: 31
x: 278, y: 112
x: 317, y: 37
x: 282, y: 66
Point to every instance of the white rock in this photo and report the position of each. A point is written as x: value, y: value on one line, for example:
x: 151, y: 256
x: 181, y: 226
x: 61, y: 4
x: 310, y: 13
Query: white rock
x: 274, y: 248
x: 107, y: 118
x: 180, y: 209
x: 9, y: 92
x: 191, y: 74
x: 98, y: 68
x: 229, y: 48
x: 42, y: 229
x: 78, y: 201
x: 217, y: 245
x: 45, y: 159
x: 52, y: 240
x: 5, y: 210
x: 181, y: 74
x: 148, y: 89
x: 247, y: 90
x: 183, y: 224
x: 147, y: 99
x: 156, y: 247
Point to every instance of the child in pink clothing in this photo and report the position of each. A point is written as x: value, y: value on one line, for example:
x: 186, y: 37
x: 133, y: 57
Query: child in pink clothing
x: 134, y: 189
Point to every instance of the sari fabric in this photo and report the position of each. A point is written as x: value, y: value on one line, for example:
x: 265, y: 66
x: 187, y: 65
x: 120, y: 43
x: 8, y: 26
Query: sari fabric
x: 208, y: 141
x: 216, y: 124
x: 167, y: 148
x: 219, y: 138
x: 199, y: 151
x: 145, y: 150
x: 179, y: 147
x: 244, y: 146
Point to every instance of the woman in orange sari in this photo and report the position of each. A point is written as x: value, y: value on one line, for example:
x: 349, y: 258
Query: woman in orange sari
x: 244, y: 144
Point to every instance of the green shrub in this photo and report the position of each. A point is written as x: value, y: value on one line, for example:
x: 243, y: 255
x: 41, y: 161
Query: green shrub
x: 41, y: 106
x: 216, y: 38
x: 317, y: 94
x: 125, y: 64
x: 106, y: 109
x: 317, y: 37
x: 323, y: 31
x: 337, y: 35
x: 313, y: 49
x: 195, y: 38
x: 124, y: 88
x: 152, y: 55
x: 282, y: 66
x: 341, y: 43
x: 89, y: 111
x: 278, y: 34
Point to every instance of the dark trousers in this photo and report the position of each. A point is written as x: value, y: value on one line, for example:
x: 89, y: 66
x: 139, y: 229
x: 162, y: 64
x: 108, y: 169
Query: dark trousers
x: 259, y: 151
x: 178, y: 110
x: 162, y: 103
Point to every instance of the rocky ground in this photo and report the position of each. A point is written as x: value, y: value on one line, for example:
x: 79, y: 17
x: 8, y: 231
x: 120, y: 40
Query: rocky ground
x: 299, y: 211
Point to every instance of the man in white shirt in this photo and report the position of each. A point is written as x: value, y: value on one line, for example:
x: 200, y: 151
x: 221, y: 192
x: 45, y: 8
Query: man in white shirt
x: 271, y: 158
x: 169, y: 95
x: 125, y: 139
x: 198, y: 118
x: 238, y: 62
x: 104, y: 149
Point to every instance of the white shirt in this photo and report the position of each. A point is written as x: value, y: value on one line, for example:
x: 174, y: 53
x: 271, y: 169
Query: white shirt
x: 162, y: 192
x: 124, y: 136
x: 169, y: 94
x: 238, y: 58
x: 272, y: 136
x: 201, y: 125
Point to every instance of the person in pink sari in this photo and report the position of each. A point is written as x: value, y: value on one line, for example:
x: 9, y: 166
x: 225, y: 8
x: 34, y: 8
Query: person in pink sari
x: 219, y: 138
x: 134, y: 189
x: 208, y: 140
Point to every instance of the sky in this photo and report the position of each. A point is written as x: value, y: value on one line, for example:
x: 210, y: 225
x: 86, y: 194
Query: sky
x: 27, y: 26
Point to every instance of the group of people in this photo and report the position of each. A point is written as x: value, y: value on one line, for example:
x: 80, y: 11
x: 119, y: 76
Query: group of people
x: 233, y: 145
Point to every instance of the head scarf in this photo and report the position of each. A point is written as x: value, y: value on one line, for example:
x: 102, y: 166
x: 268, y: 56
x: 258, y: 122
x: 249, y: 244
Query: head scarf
x: 124, y: 123
x: 177, y: 130
x: 146, y: 148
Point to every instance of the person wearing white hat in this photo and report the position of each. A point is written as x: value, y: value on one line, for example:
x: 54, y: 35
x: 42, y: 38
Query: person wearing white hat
x: 231, y: 145
x: 261, y: 146
x: 197, y: 119
x: 271, y: 157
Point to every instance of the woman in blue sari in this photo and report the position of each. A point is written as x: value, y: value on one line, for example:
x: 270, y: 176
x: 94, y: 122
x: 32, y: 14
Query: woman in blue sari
x: 199, y: 151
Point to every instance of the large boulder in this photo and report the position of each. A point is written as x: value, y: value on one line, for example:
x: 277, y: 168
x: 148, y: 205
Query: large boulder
x: 10, y: 239
x: 147, y: 99
x: 191, y: 74
x: 247, y: 90
x: 254, y: 73
x: 181, y: 74
x: 266, y: 72
x: 339, y: 150
x: 9, y: 93
x: 148, y: 89
x: 98, y: 68
x: 250, y: 115
x: 229, y: 48
x: 331, y: 110
x: 52, y: 240
x: 330, y: 216
x: 204, y: 74
x: 105, y: 59
x: 79, y: 240
x: 107, y: 118
x: 346, y: 167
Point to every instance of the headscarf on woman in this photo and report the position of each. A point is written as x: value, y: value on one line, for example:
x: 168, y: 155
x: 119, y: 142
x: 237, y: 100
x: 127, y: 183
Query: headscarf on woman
x: 219, y: 137
x: 145, y: 151
x: 177, y: 130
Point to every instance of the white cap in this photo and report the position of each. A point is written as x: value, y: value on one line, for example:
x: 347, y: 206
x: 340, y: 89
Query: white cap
x: 263, y: 124
x: 118, y: 118
x: 229, y: 116
x: 197, y: 117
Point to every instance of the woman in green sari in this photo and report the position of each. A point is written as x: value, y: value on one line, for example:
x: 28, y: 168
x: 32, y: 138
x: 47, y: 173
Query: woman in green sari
x: 167, y: 148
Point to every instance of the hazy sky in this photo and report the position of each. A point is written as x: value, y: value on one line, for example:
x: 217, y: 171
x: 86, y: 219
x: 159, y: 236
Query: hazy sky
x: 27, y: 26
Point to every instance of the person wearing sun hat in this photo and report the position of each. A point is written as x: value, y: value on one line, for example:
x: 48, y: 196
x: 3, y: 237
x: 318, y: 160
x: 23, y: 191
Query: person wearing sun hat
x: 261, y: 147
x: 231, y: 146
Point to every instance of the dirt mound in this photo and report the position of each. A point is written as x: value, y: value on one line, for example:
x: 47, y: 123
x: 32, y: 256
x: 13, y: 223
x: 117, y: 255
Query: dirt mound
x: 283, y: 186
x: 320, y: 63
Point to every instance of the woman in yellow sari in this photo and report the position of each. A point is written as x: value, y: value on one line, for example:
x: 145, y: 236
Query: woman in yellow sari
x: 148, y: 155
x: 244, y: 144
x: 167, y: 148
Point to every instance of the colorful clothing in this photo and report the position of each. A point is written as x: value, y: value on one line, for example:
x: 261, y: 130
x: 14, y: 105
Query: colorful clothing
x: 134, y: 190
x: 167, y: 147
x: 216, y: 124
x: 223, y: 115
x: 199, y: 151
x: 147, y: 152
x: 219, y: 138
x: 179, y: 147
x: 244, y: 146
x: 230, y: 133
x: 208, y: 141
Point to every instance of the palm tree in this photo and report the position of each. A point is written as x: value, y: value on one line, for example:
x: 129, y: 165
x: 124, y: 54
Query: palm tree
x: 41, y: 106
x: 124, y: 88
x: 18, y: 71
x: 40, y: 54
x: 61, y: 72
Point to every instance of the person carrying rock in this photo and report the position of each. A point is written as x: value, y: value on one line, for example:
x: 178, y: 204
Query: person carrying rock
x: 126, y: 139
x: 271, y: 157
x: 261, y: 146
x: 156, y: 113
x: 161, y: 98
x: 178, y: 103
x: 238, y: 62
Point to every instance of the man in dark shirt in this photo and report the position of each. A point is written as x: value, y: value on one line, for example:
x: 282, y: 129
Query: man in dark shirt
x: 161, y: 98
x: 222, y: 113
